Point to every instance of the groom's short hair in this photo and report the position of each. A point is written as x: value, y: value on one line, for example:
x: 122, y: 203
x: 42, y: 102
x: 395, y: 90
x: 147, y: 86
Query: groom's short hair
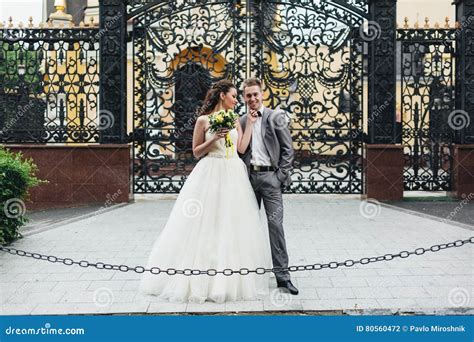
x: 250, y: 82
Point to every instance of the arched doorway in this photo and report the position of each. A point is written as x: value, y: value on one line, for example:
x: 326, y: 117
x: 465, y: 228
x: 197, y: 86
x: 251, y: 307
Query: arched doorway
x: 306, y: 53
x: 192, y: 81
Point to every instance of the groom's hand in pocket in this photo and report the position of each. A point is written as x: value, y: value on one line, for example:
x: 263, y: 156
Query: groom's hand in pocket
x: 275, y: 179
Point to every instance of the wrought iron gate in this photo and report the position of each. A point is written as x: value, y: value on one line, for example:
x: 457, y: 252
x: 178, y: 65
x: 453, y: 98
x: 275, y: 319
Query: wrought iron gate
x: 308, y: 53
x: 427, y: 63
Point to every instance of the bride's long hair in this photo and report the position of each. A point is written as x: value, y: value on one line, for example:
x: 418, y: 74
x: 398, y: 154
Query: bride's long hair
x: 213, y: 96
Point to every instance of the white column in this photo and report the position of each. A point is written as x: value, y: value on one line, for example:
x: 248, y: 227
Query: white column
x: 92, y: 11
x: 60, y: 16
x: 45, y: 15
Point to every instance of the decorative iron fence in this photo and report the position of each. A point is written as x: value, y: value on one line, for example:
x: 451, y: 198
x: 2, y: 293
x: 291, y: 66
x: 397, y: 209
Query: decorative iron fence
x: 49, y: 85
x: 427, y: 62
x: 308, y: 54
x: 311, y: 56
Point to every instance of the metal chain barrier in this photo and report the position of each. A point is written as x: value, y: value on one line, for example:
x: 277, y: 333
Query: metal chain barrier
x: 242, y: 271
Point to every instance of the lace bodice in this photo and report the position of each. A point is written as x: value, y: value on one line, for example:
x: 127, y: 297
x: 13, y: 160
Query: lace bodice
x: 218, y: 148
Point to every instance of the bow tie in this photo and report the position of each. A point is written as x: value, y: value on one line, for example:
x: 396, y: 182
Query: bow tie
x: 259, y: 113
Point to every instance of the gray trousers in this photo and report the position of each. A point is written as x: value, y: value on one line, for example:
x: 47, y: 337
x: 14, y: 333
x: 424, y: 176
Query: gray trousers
x: 267, y: 188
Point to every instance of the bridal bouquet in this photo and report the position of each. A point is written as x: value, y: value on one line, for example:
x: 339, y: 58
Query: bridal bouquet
x: 223, y: 119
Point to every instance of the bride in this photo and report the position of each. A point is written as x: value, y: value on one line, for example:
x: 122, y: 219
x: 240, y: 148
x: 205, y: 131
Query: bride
x: 215, y: 222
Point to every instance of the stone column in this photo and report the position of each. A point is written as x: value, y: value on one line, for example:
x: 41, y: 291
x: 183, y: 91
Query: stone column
x: 383, y: 172
x: 383, y: 163
x: 463, y: 172
x: 92, y: 11
x: 382, y: 71
x: 462, y: 119
x: 49, y: 8
x: 60, y: 16
x: 113, y: 58
x: 76, y: 8
x: 73, y: 10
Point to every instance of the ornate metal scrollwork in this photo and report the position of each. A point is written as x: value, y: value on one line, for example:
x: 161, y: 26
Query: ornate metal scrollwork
x: 49, y: 83
x: 308, y: 53
x: 180, y: 48
x: 427, y: 70
x: 313, y: 48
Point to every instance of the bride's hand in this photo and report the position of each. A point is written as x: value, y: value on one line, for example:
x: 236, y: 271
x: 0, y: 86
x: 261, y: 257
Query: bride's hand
x: 221, y: 134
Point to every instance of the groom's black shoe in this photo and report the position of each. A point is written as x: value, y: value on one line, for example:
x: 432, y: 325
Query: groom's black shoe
x: 289, y: 286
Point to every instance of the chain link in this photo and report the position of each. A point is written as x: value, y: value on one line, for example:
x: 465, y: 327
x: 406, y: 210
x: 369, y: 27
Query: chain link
x: 243, y: 271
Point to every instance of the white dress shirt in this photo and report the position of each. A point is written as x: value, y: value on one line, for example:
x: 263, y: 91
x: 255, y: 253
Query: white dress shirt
x: 260, y: 155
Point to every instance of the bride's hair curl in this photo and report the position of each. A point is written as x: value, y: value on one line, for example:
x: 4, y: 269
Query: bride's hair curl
x: 213, y: 96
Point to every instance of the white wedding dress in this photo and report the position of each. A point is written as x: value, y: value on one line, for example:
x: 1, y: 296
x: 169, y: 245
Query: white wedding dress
x: 214, y: 224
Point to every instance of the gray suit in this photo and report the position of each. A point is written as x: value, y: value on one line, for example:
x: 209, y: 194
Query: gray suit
x: 268, y: 185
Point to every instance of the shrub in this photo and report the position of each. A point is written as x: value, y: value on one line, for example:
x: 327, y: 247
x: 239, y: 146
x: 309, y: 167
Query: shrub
x: 17, y: 176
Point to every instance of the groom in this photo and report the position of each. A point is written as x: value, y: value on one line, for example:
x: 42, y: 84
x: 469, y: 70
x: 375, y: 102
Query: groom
x: 269, y: 159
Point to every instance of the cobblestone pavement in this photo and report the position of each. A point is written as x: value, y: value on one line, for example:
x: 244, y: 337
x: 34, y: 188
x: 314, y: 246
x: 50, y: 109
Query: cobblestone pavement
x: 319, y: 228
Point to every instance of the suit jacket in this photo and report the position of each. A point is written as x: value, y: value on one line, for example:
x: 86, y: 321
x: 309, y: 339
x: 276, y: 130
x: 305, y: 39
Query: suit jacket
x: 278, y: 142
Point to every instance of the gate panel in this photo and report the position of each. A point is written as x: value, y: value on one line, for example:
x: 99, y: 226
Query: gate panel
x: 427, y: 97
x: 309, y: 55
x: 180, y: 48
x: 310, y: 60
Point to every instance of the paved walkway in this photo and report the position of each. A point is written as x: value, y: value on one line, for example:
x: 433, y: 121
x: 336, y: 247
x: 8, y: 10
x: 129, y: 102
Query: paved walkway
x: 439, y: 205
x: 319, y: 228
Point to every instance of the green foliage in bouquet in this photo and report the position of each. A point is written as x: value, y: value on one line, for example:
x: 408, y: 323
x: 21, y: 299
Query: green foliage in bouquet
x: 223, y: 119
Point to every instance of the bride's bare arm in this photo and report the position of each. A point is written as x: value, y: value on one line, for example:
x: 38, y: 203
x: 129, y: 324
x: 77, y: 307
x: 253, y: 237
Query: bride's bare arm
x: 200, y: 146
